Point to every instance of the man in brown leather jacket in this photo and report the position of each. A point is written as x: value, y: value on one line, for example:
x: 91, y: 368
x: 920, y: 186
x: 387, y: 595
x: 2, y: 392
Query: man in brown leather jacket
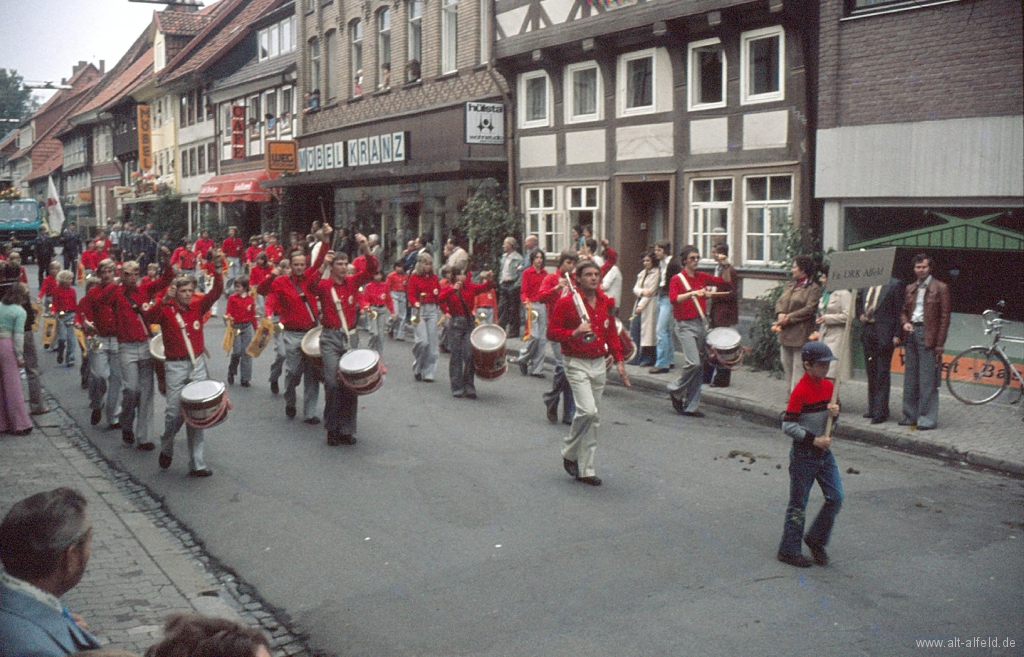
x: 925, y: 319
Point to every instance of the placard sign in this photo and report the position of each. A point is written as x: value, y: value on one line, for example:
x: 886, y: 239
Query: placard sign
x: 238, y: 132
x: 852, y: 270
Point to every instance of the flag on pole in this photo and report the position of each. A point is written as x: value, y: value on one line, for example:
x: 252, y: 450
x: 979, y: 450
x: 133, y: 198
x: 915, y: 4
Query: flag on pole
x: 55, y: 213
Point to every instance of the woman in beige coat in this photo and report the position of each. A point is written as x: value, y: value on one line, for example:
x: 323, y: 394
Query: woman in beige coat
x: 646, y: 292
x: 833, y: 309
x: 795, y: 313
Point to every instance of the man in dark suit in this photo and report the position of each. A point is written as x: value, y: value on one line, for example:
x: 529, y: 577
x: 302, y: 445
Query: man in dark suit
x: 879, y: 310
x: 925, y: 317
x: 44, y: 547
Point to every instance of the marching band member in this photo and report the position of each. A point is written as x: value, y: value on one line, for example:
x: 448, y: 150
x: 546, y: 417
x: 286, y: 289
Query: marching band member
x: 583, y: 324
x: 422, y: 290
x: 152, y: 274
x: 241, y: 313
x: 184, y: 258
x: 378, y: 300
x: 296, y: 303
x: 180, y: 317
x: 257, y: 274
x: 232, y: 249
x: 91, y: 257
x: 400, y: 301
x: 129, y: 301
x: 251, y: 252
x: 273, y: 249
x: 531, y: 359
x: 270, y: 309
x: 687, y: 293
x: 340, y: 292
x: 458, y: 298
x: 100, y: 324
x: 552, y: 289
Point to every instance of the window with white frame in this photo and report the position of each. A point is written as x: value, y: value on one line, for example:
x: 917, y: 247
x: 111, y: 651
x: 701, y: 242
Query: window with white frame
x: 329, y: 91
x: 710, y: 213
x: 287, y: 110
x: 211, y: 157
x: 583, y: 205
x: 270, y: 117
x: 384, y: 48
x: 583, y: 89
x: 314, y: 64
x: 533, y: 90
x: 449, y: 35
x: 768, y: 207
x: 638, y: 82
x: 761, y: 65
x: 415, y: 48
x: 254, y: 118
x: 543, y: 221
x: 355, y: 36
x: 706, y: 73
x: 103, y: 144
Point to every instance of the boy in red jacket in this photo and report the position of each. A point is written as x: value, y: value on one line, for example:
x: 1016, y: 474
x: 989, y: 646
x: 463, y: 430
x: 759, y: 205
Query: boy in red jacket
x: 64, y: 305
x: 378, y: 300
x: 241, y: 313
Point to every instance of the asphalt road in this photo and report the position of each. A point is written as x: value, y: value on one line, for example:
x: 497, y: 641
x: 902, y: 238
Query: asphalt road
x: 451, y: 529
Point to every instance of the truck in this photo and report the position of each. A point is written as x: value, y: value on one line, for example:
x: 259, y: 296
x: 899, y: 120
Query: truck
x: 20, y: 220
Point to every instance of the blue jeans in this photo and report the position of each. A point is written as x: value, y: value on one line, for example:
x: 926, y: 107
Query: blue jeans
x: 666, y: 323
x: 921, y: 377
x: 807, y: 465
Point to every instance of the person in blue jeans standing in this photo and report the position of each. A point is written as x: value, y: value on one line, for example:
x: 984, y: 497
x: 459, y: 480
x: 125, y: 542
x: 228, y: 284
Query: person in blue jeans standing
x: 669, y: 267
x: 810, y: 460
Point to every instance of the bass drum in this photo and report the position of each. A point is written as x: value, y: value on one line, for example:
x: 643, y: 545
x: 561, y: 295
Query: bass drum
x: 488, y: 343
x: 311, y: 346
x: 361, y: 371
x: 204, y: 404
x: 626, y: 340
x: 724, y: 347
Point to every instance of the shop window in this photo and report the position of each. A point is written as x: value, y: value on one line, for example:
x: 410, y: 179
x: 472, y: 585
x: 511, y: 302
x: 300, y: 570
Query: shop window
x: 761, y: 68
x: 355, y: 30
x: 583, y: 208
x: 711, y: 202
x: 415, y: 29
x: 706, y: 79
x: 768, y: 207
x: 638, y: 69
x: 583, y: 89
x: 543, y: 221
x: 384, y: 48
x: 533, y: 90
x: 449, y: 35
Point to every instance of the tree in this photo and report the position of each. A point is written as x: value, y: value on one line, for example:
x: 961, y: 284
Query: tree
x: 485, y: 221
x: 16, y: 101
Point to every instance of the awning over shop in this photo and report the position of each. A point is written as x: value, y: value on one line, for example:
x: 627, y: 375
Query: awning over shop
x: 241, y: 186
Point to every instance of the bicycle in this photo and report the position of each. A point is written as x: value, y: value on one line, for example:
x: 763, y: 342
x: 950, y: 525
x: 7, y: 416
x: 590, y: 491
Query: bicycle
x: 980, y: 374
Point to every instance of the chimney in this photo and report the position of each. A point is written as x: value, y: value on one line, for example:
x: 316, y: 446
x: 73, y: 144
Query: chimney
x: 103, y: 67
x: 63, y: 81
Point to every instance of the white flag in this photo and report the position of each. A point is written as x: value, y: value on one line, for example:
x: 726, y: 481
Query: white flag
x: 53, y: 210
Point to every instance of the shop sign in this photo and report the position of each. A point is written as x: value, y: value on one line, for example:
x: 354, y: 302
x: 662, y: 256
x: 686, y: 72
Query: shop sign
x: 379, y: 149
x: 123, y: 192
x: 282, y: 155
x: 485, y: 123
x: 238, y: 132
x: 145, y: 138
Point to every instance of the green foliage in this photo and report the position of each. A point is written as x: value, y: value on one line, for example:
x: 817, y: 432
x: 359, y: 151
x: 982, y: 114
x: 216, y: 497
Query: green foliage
x: 485, y: 221
x: 16, y: 101
x: 764, y: 355
x: 168, y: 215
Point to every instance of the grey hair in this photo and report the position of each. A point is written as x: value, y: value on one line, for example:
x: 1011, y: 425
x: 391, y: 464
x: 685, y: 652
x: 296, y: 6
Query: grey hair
x: 37, y: 531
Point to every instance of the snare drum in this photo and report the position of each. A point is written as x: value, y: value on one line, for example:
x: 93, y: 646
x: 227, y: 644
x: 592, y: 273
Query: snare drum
x: 311, y: 346
x: 361, y: 371
x: 204, y: 404
x: 488, y: 341
x: 724, y: 347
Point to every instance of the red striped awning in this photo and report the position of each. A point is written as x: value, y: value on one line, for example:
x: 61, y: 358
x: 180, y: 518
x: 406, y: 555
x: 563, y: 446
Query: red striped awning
x: 241, y: 186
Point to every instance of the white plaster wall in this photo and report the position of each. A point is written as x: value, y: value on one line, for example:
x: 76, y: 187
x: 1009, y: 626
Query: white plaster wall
x: 585, y: 146
x: 644, y: 141
x: 539, y: 151
x: 765, y: 130
x: 709, y: 135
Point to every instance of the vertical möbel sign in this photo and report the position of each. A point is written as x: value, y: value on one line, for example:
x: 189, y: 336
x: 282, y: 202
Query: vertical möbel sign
x: 238, y: 132
x: 145, y: 138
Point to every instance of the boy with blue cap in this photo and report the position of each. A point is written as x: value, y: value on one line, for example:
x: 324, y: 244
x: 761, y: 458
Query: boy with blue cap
x: 810, y: 459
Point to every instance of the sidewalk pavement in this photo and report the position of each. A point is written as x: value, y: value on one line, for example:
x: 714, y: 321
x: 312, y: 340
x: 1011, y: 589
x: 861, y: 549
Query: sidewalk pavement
x: 989, y: 435
x: 144, y: 565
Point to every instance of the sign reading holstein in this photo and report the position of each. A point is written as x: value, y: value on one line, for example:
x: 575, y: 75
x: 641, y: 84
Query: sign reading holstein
x: 851, y: 270
x: 485, y: 123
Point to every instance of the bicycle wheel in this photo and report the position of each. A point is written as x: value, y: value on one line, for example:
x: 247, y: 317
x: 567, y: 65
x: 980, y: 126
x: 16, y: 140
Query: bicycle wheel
x: 978, y: 375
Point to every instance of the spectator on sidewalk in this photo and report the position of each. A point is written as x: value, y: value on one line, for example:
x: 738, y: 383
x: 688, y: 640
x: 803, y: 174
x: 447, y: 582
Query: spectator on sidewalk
x: 644, y: 329
x: 794, y: 319
x: 188, y: 635
x: 666, y: 350
x: 44, y: 548
x: 879, y: 311
x: 9, y: 276
x: 14, y: 417
x: 834, y: 309
x: 925, y: 318
x: 509, y: 271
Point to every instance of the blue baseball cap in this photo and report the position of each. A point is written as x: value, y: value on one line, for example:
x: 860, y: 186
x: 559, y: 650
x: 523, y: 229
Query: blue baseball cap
x: 816, y: 352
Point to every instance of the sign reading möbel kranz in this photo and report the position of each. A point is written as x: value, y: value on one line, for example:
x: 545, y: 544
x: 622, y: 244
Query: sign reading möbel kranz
x: 282, y: 155
x: 851, y: 270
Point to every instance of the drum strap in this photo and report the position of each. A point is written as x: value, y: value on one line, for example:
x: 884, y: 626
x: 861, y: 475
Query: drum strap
x: 700, y: 310
x: 305, y: 300
x: 138, y: 311
x: 341, y: 313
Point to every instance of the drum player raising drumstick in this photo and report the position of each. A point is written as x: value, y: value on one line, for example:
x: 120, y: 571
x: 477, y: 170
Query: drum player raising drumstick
x: 340, y: 290
x: 181, y: 323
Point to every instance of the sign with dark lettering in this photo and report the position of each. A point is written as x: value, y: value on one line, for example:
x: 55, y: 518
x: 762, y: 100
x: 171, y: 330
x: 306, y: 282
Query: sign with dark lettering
x: 238, y: 132
x: 283, y: 155
x: 852, y: 270
x: 145, y: 138
x: 485, y: 123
